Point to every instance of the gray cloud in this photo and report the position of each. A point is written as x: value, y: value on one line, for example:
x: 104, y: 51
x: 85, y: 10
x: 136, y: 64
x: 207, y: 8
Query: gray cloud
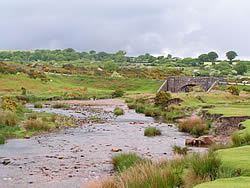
x: 181, y: 27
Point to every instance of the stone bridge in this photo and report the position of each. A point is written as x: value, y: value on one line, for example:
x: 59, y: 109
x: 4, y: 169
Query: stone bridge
x: 181, y: 84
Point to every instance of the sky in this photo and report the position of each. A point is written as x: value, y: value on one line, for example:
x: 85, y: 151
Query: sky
x: 183, y: 28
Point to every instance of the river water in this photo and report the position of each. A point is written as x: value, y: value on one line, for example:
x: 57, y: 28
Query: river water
x: 74, y: 156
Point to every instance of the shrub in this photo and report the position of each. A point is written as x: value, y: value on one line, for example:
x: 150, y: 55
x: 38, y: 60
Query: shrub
x: 152, y: 131
x: 118, y: 111
x: 38, y: 105
x: 2, y: 139
x: 118, y: 93
x: 9, y: 103
x: 233, y: 90
x: 36, y: 125
x: 53, y: 118
x: 205, y: 166
x: 123, y: 161
x: 196, y: 127
x: 60, y: 105
x: 162, y: 98
x: 180, y: 150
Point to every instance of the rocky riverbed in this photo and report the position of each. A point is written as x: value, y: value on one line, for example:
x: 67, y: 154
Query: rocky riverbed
x: 74, y: 156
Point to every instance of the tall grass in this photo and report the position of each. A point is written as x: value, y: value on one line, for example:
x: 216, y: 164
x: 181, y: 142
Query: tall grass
x: 2, y: 139
x: 194, y: 126
x: 180, y: 150
x: 60, y: 105
x: 123, y: 161
x: 205, y: 166
x: 152, y: 131
x: 36, y: 125
x: 7, y: 118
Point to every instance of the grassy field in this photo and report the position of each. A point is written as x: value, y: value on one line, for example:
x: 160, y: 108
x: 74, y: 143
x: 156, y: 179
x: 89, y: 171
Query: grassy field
x: 231, y: 110
x: 61, y: 85
x: 237, y: 158
x: 238, y: 182
x: 247, y: 129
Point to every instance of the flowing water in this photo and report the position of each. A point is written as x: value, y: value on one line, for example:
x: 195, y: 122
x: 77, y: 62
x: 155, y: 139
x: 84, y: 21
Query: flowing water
x: 75, y: 156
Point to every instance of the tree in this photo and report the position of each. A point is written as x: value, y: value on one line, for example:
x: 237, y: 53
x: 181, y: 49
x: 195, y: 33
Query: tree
x: 203, y: 58
x: 241, y: 68
x: 231, y: 55
x: 212, y: 56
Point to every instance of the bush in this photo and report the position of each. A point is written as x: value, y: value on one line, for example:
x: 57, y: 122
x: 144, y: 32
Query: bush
x: 36, y: 125
x: 118, y: 111
x: 196, y: 127
x: 38, y: 105
x: 2, y: 139
x: 140, y: 108
x: 123, y: 161
x: 180, y: 150
x: 205, y: 166
x: 9, y: 103
x: 118, y: 93
x: 162, y: 98
x: 53, y: 118
x: 152, y: 131
x: 60, y: 105
x: 233, y: 90
x: 131, y: 105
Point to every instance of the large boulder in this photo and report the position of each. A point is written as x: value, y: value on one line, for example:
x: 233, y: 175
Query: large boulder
x: 201, y: 141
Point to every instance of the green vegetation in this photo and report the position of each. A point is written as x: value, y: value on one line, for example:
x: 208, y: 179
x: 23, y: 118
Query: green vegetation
x: 180, y: 150
x: 118, y: 93
x: 152, y: 131
x: 2, y: 139
x: 236, y: 158
x: 162, y: 98
x: 123, y: 161
x: 60, y: 105
x: 118, y: 111
x: 38, y: 105
x: 237, y: 182
x: 196, y: 127
x: 233, y: 89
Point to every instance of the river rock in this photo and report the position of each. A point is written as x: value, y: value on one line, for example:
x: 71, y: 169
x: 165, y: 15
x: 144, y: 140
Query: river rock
x: 116, y: 150
x: 202, y: 140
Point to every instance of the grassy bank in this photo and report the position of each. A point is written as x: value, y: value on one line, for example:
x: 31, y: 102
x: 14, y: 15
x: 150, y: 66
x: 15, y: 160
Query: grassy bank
x: 73, y: 86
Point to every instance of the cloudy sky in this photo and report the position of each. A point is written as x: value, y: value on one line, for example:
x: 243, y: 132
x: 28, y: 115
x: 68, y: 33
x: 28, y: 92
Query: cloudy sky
x: 184, y: 28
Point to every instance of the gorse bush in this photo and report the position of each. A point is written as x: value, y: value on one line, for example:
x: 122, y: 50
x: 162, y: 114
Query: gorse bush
x: 162, y: 98
x: 152, y: 131
x: 196, y: 127
x: 233, y: 90
x: 9, y: 103
x: 123, y: 161
x: 118, y: 111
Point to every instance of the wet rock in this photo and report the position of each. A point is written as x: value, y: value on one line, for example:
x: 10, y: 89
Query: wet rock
x: 116, y: 150
x: 6, y: 161
x: 27, y: 137
x: 60, y: 157
x: 202, y: 140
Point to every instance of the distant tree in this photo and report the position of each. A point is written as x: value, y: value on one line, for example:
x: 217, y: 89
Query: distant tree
x: 203, y: 58
x: 231, y: 55
x: 69, y: 50
x: 241, y: 68
x: 169, y: 56
x: 212, y: 56
x: 92, y: 52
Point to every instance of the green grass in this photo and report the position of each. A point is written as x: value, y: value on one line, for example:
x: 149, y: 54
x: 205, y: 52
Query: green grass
x: 123, y: 161
x: 236, y: 158
x: 118, y: 111
x: 2, y: 139
x: 38, y: 105
x: 74, y: 86
x: 237, y: 182
x: 152, y: 131
x: 231, y: 110
x: 245, y: 124
x: 60, y: 105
